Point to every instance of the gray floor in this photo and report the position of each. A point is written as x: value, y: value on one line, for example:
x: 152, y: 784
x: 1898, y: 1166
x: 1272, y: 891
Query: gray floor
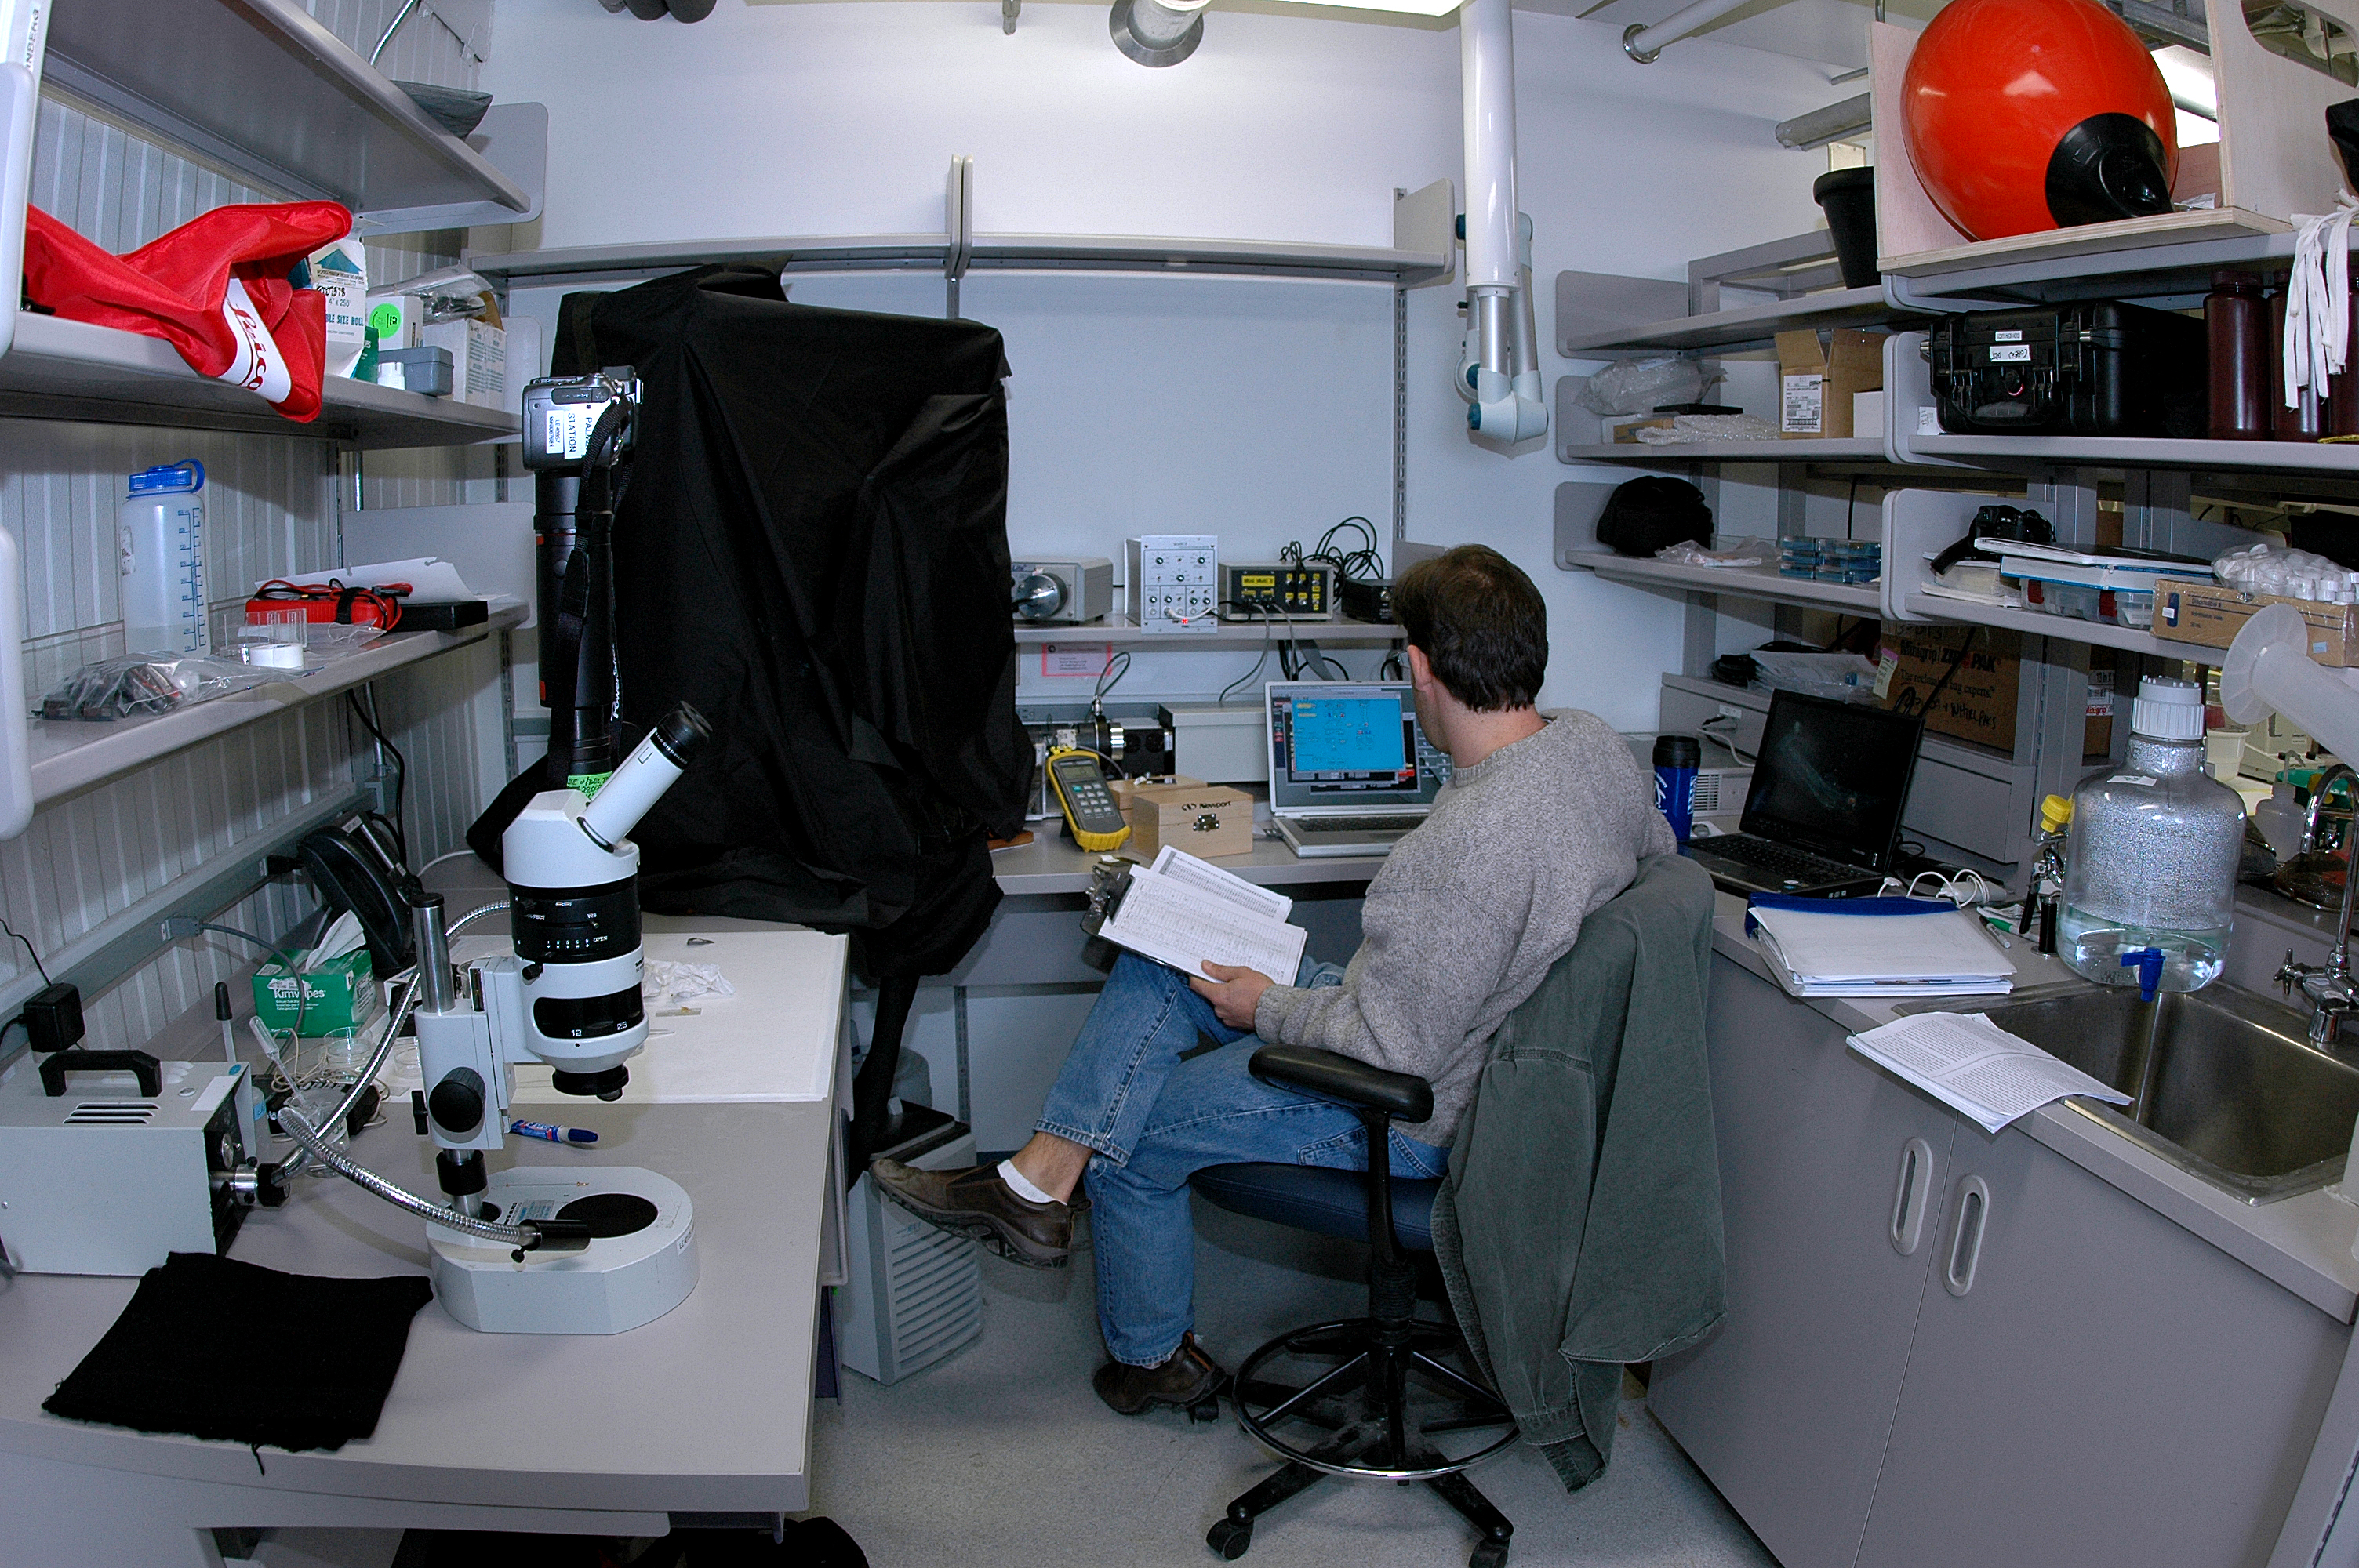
x: 1002, y: 1454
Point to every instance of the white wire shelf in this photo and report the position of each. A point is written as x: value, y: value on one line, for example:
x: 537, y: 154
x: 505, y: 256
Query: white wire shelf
x: 71, y: 755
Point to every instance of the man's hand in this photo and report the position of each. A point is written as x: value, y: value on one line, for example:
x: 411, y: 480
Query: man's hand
x: 1233, y: 993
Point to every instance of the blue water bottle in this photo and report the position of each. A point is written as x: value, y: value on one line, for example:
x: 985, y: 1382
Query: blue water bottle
x: 1676, y: 758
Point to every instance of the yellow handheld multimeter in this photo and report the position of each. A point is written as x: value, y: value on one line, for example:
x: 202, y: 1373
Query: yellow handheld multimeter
x: 1096, y: 822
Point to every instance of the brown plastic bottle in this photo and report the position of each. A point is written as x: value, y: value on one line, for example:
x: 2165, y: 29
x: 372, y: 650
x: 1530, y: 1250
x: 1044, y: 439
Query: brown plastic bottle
x: 2342, y: 391
x: 2236, y: 323
x: 2305, y: 423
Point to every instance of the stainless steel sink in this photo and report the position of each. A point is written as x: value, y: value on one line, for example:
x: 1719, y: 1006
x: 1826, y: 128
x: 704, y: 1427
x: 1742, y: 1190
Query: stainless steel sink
x: 2237, y: 1095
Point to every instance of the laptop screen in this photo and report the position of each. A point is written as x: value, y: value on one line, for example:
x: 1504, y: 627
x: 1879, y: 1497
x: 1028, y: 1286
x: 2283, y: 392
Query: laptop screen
x: 1344, y: 744
x: 1832, y: 778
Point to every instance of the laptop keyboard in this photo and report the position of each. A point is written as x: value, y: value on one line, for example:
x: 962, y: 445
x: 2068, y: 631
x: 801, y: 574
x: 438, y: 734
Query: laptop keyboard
x: 1768, y: 857
x: 1314, y: 827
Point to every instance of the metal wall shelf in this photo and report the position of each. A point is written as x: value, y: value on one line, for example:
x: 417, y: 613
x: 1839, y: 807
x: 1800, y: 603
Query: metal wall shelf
x: 1232, y: 634
x: 70, y: 756
x: 2101, y: 451
x: 1748, y: 326
x: 261, y: 87
x: 58, y: 369
x: 1865, y: 449
x: 1759, y: 583
x: 1077, y: 253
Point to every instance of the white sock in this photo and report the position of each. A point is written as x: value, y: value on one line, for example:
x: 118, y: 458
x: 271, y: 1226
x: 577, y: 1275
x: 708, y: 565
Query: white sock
x: 1022, y: 1188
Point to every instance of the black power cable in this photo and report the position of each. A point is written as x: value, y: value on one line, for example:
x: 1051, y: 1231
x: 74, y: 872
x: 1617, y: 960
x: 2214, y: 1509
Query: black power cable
x: 401, y: 770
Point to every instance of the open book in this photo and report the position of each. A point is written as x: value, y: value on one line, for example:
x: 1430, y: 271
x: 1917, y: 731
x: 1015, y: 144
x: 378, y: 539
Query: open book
x: 1182, y: 911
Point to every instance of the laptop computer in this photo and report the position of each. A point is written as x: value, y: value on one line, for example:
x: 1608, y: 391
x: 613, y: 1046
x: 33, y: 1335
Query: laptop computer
x: 1349, y: 770
x: 1822, y: 817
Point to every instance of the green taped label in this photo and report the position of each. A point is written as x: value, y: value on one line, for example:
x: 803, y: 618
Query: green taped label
x: 588, y: 784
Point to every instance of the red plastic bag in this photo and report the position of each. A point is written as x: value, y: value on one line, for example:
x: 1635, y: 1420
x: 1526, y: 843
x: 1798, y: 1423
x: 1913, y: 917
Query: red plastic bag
x: 215, y: 288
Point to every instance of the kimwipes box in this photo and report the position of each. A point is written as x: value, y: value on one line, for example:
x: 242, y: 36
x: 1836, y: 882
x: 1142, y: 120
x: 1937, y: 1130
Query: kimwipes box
x: 2211, y: 614
x: 1206, y: 820
x: 1816, y: 381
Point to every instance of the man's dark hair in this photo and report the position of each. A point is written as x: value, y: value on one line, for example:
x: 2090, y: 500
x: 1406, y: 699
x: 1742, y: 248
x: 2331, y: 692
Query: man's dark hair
x: 1481, y: 623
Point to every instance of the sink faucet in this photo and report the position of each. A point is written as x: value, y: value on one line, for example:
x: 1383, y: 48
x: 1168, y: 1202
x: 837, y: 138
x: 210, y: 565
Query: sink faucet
x: 2331, y: 988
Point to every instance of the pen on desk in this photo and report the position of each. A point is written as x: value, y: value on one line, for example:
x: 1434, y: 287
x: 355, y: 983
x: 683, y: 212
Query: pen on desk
x: 544, y: 1131
x: 222, y: 1012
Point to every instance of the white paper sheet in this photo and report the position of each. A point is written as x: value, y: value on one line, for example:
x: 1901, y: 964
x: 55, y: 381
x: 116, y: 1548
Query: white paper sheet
x: 1967, y: 1062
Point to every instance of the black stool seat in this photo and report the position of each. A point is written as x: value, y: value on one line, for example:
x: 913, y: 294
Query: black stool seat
x: 1314, y: 1198
x: 1385, y: 1396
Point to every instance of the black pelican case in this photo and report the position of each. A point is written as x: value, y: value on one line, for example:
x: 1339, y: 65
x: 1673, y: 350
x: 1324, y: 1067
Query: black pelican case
x: 2097, y: 367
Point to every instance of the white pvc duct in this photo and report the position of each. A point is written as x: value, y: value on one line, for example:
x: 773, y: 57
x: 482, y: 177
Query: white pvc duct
x: 1499, y: 371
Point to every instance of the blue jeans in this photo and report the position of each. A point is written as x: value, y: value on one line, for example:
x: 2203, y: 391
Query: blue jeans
x: 1154, y: 1119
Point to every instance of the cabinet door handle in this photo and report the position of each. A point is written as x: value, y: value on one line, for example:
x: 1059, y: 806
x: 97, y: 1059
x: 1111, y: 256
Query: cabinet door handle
x: 1973, y: 1217
x: 1913, y: 1197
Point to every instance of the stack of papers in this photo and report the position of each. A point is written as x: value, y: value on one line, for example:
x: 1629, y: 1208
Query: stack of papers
x: 1878, y: 946
x: 1972, y: 1065
x: 1182, y: 911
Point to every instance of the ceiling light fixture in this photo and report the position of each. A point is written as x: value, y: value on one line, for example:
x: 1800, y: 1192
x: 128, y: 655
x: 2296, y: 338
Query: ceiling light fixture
x: 1158, y: 32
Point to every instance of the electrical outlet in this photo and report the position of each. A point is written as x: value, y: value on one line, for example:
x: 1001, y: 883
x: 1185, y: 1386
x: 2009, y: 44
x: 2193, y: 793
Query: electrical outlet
x: 1729, y: 711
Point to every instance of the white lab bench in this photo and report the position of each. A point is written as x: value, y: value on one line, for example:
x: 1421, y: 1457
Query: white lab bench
x: 704, y: 1411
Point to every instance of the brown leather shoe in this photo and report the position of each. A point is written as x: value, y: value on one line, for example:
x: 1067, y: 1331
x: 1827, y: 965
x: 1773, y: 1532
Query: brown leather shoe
x: 975, y: 1202
x: 1187, y: 1378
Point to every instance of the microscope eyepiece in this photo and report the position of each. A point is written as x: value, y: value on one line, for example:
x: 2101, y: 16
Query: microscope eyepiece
x: 682, y: 734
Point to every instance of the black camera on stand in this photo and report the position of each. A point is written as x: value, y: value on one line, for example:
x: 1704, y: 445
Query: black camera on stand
x: 578, y: 436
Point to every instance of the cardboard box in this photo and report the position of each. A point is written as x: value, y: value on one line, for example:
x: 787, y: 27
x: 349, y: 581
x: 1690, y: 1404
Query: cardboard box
x: 340, y: 994
x: 1207, y: 821
x: 2212, y: 613
x: 1816, y: 381
x: 395, y: 317
x: 339, y: 272
x: 479, y: 359
x: 1628, y: 435
x: 1978, y: 703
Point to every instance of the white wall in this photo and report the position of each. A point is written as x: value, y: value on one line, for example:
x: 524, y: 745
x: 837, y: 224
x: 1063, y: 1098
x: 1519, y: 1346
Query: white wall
x: 1259, y: 410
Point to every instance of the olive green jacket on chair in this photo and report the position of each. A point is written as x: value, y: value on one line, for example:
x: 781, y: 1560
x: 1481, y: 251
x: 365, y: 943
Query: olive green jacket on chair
x: 1580, y: 1226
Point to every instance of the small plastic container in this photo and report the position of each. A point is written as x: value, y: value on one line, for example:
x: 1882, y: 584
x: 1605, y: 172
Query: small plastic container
x: 2150, y: 881
x: 2134, y: 609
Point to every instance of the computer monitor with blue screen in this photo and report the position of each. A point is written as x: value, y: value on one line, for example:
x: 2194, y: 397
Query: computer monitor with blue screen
x: 1349, y: 744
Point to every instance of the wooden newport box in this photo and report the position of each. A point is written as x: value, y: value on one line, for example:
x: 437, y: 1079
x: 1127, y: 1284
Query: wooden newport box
x: 1205, y: 820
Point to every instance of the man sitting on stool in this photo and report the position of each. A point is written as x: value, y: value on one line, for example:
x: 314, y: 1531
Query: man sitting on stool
x: 1544, y: 819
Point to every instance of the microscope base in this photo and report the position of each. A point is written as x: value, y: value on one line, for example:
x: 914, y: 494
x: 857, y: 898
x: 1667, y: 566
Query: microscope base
x: 618, y: 1283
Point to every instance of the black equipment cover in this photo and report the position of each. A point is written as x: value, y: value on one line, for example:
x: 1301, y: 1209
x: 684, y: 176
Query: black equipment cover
x: 813, y: 550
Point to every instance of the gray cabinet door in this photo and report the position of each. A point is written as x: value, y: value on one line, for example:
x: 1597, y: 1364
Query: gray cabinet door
x: 2092, y: 1384
x: 1788, y: 1407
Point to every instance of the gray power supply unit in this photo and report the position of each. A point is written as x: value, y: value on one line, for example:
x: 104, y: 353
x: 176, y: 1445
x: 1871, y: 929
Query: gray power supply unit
x: 104, y: 1179
x: 912, y: 1294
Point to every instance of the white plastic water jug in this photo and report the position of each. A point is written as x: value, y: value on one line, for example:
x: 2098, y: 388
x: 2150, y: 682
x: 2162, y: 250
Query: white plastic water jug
x: 161, y: 531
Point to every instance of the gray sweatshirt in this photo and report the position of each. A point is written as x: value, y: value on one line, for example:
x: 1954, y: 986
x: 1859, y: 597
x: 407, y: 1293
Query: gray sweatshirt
x: 1471, y: 909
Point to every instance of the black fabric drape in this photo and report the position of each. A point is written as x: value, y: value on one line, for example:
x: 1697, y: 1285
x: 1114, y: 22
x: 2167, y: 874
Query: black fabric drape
x: 813, y: 550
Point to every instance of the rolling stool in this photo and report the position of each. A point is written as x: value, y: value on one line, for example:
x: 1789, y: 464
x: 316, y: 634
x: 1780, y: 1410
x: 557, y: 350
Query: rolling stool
x: 1364, y: 1396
